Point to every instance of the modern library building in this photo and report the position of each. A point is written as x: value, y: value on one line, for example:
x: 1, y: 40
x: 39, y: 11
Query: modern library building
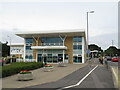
x: 68, y: 46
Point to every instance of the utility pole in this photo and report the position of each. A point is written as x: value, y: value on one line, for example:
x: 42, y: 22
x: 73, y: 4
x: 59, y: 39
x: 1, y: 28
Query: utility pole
x: 112, y: 42
x: 10, y: 49
x: 88, y: 30
x: 112, y: 46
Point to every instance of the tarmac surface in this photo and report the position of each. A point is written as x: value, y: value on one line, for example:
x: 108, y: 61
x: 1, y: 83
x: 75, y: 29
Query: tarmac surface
x: 101, y: 77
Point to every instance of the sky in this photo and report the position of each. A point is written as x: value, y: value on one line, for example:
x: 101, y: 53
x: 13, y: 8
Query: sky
x: 38, y: 16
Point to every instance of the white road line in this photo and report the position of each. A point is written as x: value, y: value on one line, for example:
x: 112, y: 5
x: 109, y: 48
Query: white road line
x: 80, y: 80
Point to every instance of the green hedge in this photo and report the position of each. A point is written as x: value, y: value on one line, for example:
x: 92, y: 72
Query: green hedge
x: 15, y: 68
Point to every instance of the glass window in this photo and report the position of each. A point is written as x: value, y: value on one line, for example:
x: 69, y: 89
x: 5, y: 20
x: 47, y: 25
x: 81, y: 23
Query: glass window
x: 29, y: 40
x: 30, y: 56
x: 26, y: 56
x: 75, y: 46
x: 29, y: 51
x: 60, y: 57
x: 51, y: 41
x: 49, y: 51
x: 77, y: 59
x: 77, y: 39
x: 28, y: 47
x: 49, y: 59
x: 77, y: 51
x: 66, y: 56
x: 80, y: 59
x: 50, y: 55
x: 79, y: 46
x: 55, y: 59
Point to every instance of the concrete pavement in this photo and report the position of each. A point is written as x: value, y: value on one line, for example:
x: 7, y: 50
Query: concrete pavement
x: 41, y: 77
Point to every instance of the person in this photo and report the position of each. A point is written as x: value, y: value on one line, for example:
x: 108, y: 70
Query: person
x: 101, y: 59
x: 105, y: 62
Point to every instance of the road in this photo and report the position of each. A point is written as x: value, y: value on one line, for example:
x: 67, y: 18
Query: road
x: 94, y: 75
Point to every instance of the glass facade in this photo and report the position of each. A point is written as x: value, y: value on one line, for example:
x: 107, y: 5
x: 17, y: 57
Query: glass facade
x: 56, y: 55
x: 77, y: 49
x: 77, y: 39
x: 51, y: 41
x: 29, y: 51
x: 51, y: 56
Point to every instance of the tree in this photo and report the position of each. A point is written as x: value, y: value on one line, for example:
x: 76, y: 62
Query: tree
x: 118, y: 52
x: 5, y: 49
x: 111, y: 51
x: 97, y: 51
x: 94, y: 47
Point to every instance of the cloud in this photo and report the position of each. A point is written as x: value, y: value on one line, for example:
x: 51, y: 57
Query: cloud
x: 105, y: 40
x: 6, y: 35
x: 18, y: 1
x: 55, y: 16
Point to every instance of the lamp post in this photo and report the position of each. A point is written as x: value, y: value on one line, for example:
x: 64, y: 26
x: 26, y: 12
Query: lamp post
x: 112, y: 42
x: 10, y: 48
x: 88, y: 28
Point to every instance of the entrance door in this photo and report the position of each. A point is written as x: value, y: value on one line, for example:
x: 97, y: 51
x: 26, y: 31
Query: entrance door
x: 60, y: 57
x: 49, y: 59
x: 55, y: 59
x: 39, y: 58
x: 77, y: 59
x: 80, y: 59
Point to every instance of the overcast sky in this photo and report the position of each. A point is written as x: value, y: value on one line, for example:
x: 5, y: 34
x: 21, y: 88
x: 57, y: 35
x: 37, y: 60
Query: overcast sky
x: 39, y: 16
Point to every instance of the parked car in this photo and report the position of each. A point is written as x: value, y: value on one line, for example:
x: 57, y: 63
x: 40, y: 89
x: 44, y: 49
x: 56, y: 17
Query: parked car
x: 109, y: 58
x: 115, y: 59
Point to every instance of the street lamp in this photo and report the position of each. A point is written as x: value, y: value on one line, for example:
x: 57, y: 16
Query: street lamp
x: 10, y: 49
x: 87, y: 24
x: 88, y: 27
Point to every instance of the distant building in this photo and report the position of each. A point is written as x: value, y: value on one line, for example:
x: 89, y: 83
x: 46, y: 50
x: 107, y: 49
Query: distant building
x: 54, y: 46
x: 94, y: 53
x: 17, y: 50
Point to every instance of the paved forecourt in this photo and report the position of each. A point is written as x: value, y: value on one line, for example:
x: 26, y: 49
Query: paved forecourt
x: 41, y: 77
x: 90, y: 76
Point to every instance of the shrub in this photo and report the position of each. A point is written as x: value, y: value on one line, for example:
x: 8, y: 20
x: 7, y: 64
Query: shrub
x: 16, y: 67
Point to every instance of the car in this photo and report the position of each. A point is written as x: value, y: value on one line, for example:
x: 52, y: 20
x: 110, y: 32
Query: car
x: 115, y: 59
x: 108, y: 58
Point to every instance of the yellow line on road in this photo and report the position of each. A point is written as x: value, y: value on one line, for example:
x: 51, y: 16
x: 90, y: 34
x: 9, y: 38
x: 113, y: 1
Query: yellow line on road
x: 115, y: 73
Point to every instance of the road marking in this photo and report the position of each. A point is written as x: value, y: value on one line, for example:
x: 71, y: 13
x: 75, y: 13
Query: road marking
x: 115, y: 73
x: 80, y: 80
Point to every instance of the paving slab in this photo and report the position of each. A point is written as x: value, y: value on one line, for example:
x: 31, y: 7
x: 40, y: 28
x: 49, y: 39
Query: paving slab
x: 41, y: 77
